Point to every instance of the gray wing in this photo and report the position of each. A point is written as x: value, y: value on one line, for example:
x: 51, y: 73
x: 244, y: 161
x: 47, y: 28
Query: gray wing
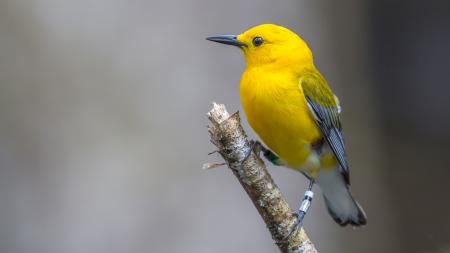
x: 328, y: 120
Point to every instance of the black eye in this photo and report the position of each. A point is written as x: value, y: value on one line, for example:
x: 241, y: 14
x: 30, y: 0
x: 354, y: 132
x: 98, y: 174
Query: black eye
x: 257, y: 41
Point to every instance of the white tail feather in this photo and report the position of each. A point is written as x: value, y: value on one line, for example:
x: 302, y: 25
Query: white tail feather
x: 341, y: 205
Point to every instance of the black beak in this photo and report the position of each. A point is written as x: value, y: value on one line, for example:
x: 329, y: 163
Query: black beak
x: 227, y: 39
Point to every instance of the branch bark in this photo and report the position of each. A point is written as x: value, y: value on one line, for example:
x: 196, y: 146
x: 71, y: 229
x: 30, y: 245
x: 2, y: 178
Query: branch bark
x: 228, y: 135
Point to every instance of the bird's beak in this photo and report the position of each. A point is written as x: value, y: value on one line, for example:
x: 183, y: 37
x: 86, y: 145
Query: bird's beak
x: 227, y: 39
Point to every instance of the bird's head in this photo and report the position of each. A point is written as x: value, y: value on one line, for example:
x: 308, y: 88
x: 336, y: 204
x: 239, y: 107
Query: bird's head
x: 269, y: 44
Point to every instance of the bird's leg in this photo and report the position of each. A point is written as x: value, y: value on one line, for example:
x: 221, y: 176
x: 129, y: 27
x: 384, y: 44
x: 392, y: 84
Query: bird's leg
x: 303, y: 207
x: 271, y: 157
x: 258, y: 147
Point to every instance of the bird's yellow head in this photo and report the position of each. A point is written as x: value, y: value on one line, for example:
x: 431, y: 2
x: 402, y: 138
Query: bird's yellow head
x: 269, y: 44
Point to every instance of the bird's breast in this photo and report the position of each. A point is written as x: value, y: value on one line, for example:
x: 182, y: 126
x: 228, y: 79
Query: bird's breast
x: 276, y: 109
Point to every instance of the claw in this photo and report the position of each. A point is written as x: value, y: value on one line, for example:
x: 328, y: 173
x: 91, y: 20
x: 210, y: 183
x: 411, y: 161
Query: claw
x: 213, y: 152
x: 253, y: 148
x: 300, y: 215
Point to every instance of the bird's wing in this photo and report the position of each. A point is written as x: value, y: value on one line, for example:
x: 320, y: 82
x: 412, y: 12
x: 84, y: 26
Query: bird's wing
x: 324, y: 107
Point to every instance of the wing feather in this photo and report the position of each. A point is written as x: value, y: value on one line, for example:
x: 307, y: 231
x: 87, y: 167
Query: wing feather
x: 325, y: 108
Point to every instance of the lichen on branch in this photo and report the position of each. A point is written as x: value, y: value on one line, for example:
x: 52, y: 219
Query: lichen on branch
x: 231, y: 141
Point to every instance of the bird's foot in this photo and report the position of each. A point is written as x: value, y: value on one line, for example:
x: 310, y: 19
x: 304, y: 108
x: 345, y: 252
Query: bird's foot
x: 255, y: 146
x: 298, y: 222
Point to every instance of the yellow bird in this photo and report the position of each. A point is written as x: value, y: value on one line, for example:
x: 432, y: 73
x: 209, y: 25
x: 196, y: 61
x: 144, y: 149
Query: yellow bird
x: 293, y: 110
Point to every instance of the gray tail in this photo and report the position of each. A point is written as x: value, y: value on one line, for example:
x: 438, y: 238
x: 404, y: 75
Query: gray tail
x: 339, y: 200
x: 354, y: 216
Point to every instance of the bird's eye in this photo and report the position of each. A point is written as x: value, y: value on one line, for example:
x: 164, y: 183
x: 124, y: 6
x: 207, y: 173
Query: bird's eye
x: 257, y: 41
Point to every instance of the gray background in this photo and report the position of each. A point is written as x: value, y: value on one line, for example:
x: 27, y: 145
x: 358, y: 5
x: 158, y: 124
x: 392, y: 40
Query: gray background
x: 103, y: 126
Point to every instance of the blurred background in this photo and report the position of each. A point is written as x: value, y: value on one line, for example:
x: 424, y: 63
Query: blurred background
x: 103, y: 125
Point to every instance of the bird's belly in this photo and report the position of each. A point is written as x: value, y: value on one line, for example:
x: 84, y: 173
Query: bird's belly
x: 282, y: 120
x: 290, y: 139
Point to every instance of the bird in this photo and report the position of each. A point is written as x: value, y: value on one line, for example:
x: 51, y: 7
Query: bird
x: 291, y: 107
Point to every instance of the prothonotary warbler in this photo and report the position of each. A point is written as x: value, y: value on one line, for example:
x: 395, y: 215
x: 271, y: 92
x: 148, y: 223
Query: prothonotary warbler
x: 293, y: 110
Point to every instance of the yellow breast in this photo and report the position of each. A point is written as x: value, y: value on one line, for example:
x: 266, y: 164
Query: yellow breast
x: 276, y: 109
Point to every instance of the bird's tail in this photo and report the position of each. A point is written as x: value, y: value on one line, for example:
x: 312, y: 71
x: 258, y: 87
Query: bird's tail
x: 339, y: 200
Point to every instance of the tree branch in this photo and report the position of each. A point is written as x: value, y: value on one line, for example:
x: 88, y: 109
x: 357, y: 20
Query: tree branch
x: 228, y: 135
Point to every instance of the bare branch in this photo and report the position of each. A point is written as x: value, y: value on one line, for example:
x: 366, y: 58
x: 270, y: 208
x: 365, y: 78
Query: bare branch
x: 228, y: 135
